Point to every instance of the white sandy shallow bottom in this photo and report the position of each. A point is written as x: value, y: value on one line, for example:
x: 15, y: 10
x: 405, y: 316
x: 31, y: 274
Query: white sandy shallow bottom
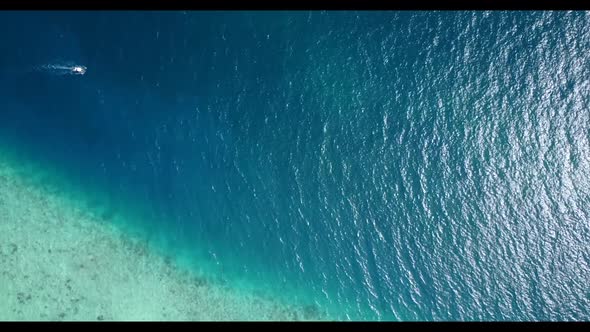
x: 58, y: 262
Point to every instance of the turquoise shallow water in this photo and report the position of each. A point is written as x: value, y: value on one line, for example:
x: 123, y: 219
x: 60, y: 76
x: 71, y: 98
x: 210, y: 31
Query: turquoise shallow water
x: 382, y: 165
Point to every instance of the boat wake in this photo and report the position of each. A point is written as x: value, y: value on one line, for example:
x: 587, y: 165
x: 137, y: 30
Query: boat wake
x: 59, y: 69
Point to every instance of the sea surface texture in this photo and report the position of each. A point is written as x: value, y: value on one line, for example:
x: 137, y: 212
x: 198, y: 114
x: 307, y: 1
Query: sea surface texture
x: 361, y: 165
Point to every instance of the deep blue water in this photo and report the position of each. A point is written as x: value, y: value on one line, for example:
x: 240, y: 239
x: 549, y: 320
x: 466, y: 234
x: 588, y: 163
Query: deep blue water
x: 383, y: 165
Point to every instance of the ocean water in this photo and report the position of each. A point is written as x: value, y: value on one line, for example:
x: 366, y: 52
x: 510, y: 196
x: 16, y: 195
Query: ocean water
x: 371, y: 165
